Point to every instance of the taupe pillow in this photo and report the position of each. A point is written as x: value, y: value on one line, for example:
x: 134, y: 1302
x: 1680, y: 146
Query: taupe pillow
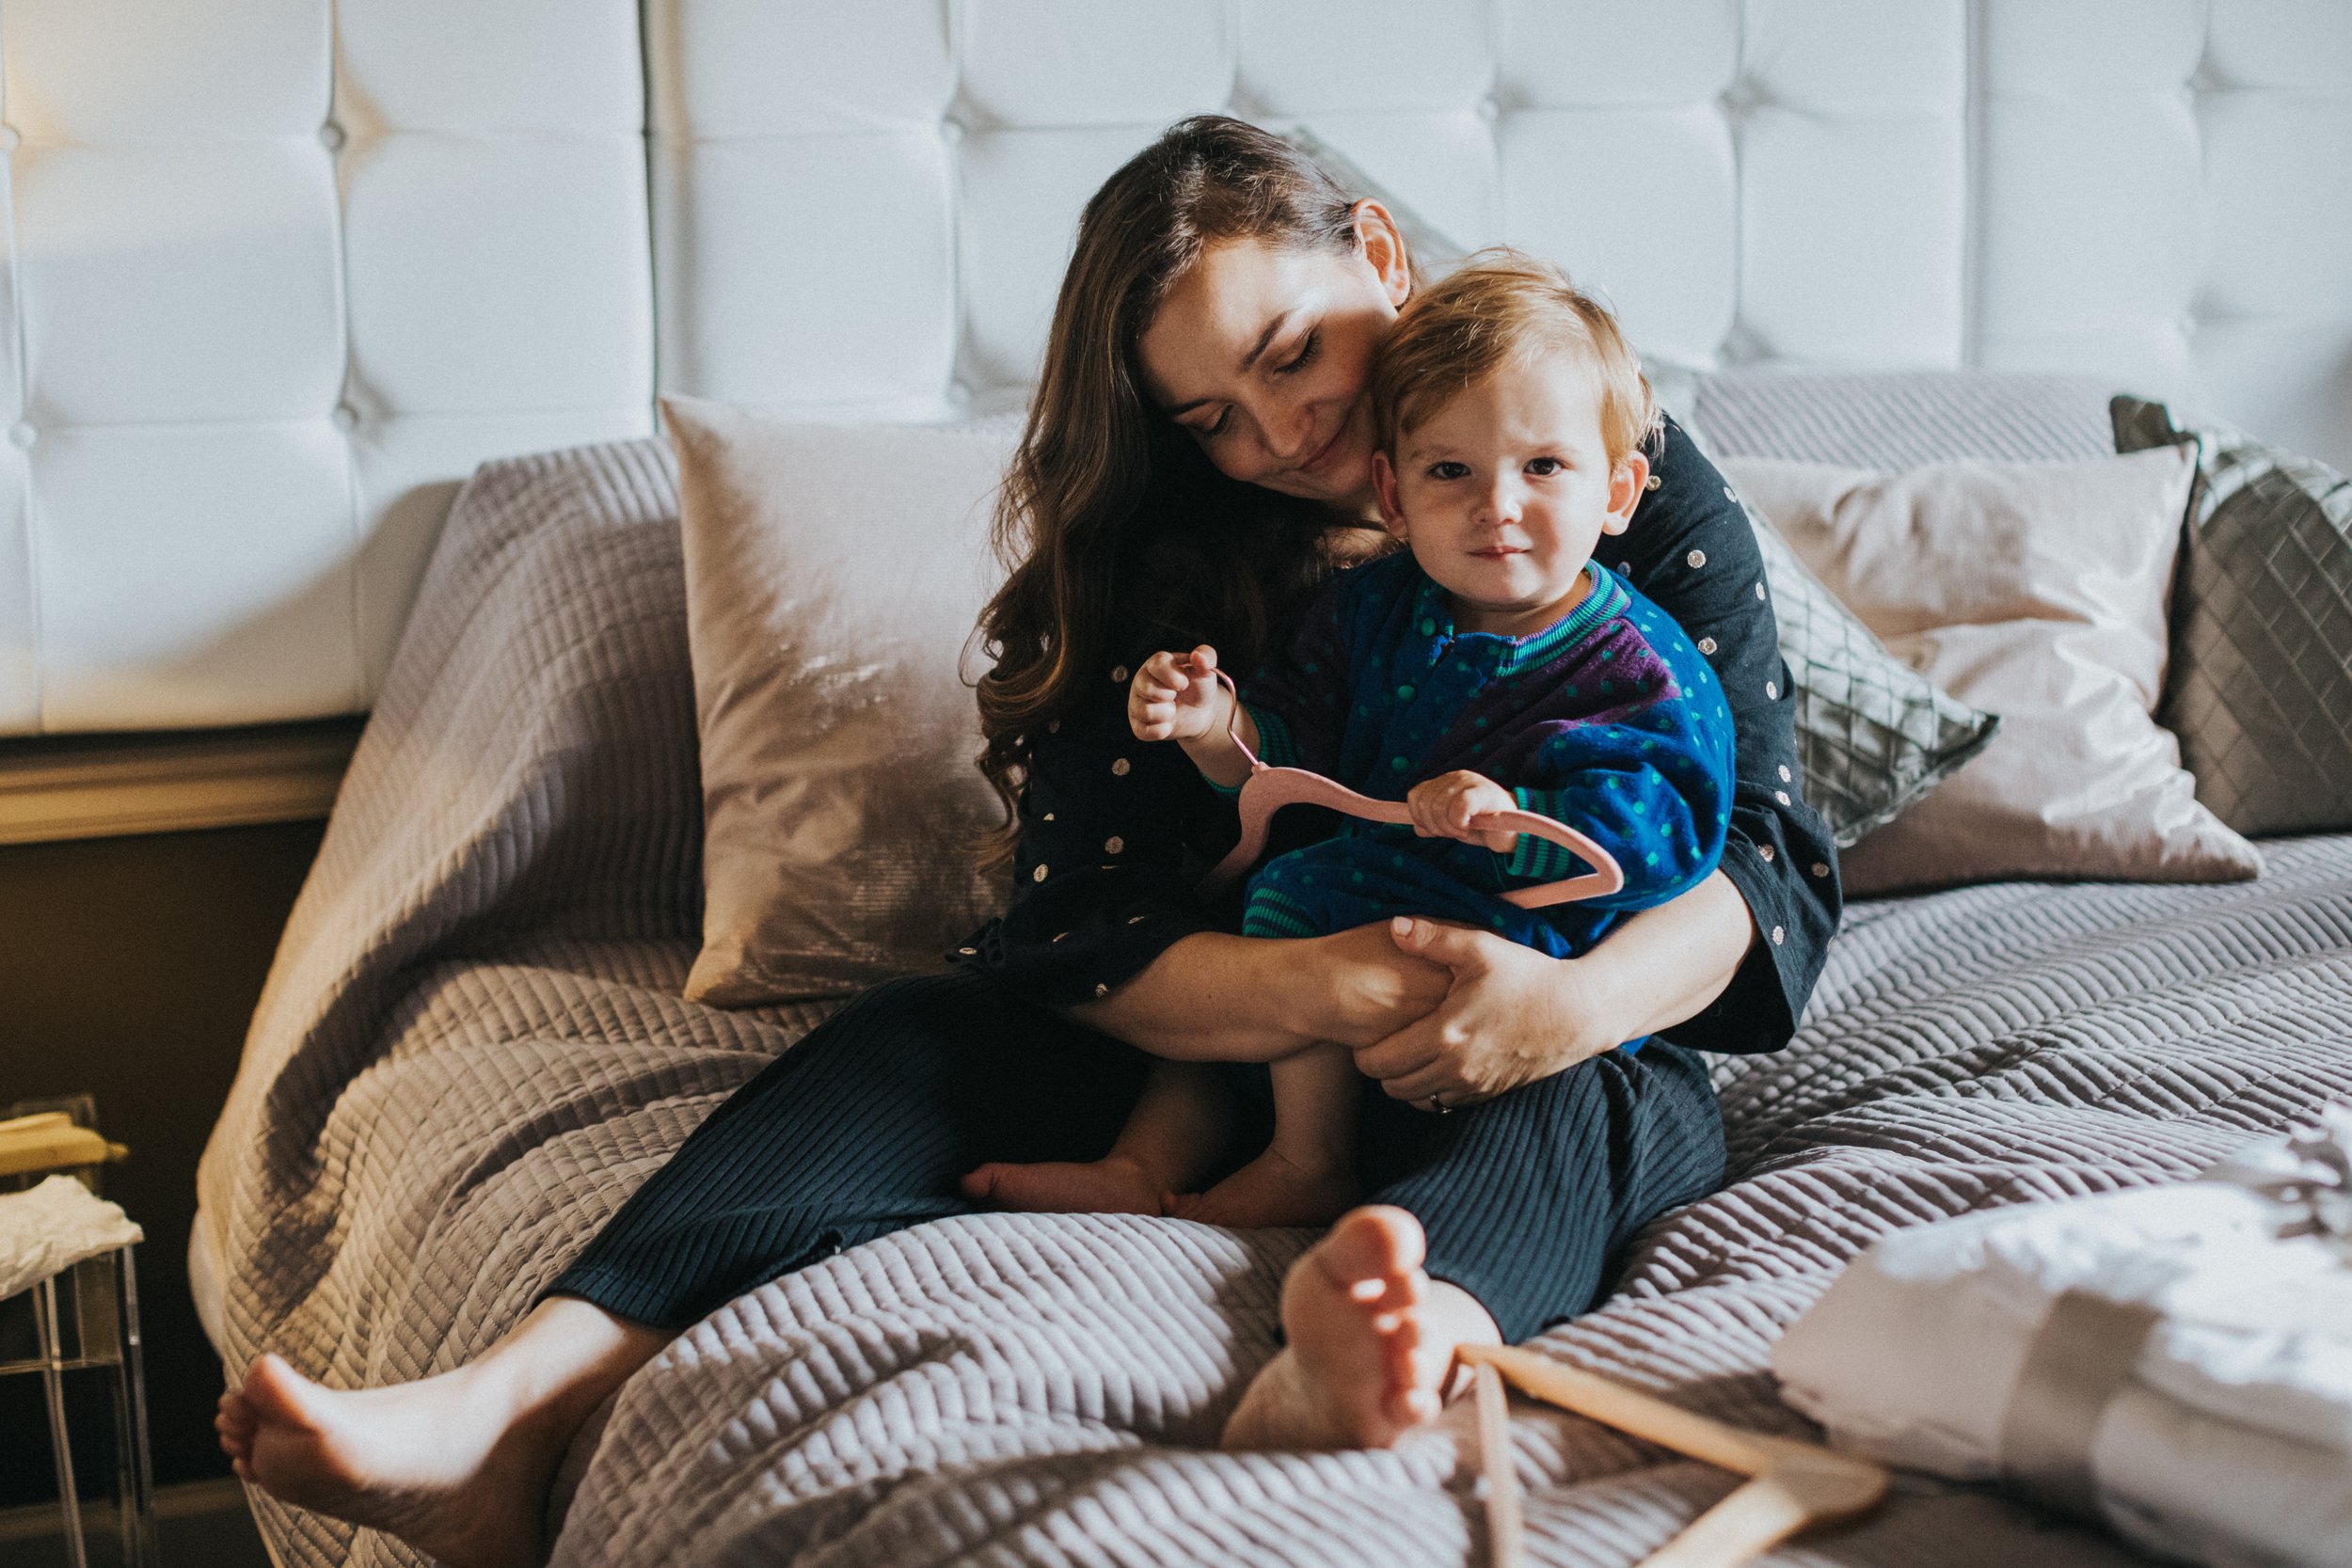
x: 2037, y: 591
x: 1873, y: 735
x: 834, y: 573
x: 2260, y: 690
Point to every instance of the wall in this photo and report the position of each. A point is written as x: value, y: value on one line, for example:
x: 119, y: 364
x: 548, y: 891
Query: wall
x: 128, y: 968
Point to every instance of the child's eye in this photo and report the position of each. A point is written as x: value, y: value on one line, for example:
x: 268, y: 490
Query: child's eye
x: 1449, y: 471
x: 1543, y: 468
x: 1304, y: 356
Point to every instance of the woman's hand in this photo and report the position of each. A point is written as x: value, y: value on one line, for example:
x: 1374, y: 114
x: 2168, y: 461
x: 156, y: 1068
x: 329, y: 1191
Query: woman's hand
x: 1510, y: 1014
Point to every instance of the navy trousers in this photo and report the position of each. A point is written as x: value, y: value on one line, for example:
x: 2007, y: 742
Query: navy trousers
x: 863, y: 1128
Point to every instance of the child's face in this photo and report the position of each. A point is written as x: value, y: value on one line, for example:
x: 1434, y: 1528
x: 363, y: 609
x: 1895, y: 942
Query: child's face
x: 1504, y: 490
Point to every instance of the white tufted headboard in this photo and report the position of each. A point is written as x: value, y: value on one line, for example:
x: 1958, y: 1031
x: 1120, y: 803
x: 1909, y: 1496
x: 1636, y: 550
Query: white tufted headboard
x: 281, y: 272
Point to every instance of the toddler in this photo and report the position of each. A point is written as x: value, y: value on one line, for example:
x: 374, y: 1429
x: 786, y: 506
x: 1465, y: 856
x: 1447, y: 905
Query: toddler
x: 1491, y: 665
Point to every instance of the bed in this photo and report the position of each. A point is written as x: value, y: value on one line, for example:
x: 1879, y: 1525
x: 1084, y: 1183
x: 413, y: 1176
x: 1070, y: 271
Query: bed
x: 480, y: 229
x: 474, y: 1046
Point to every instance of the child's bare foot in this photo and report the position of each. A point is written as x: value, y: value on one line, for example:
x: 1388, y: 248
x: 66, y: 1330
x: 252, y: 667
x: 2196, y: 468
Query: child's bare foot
x: 1112, y: 1185
x: 440, y: 1462
x: 1356, y: 1374
x: 1270, y: 1190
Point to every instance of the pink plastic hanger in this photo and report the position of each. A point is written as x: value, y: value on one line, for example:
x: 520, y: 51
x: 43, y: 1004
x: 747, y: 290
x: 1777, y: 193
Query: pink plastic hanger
x: 1267, y: 790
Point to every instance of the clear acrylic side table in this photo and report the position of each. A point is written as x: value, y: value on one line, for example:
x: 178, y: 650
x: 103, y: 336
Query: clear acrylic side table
x: 86, y: 1318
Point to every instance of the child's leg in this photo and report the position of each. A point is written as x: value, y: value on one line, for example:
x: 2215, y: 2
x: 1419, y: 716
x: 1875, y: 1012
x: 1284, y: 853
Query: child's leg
x: 1307, y: 1175
x: 1171, y: 1139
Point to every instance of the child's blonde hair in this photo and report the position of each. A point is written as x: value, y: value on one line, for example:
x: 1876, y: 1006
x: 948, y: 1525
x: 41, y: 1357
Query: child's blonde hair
x: 1501, y: 306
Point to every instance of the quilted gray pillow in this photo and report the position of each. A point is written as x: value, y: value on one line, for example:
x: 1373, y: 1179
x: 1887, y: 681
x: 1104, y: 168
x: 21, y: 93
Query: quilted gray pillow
x: 2260, y: 687
x: 1873, y: 735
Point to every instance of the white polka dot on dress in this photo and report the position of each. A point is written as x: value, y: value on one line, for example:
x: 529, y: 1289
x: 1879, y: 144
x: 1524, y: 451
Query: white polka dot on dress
x: 1119, y: 673
x: 1038, y: 875
x: 1781, y: 795
x: 1696, y: 560
x: 1820, y: 868
x: 1101, y: 989
x: 1771, y: 690
x: 1113, y: 844
x: 1785, y: 776
x: 969, y: 951
x: 1777, y: 934
x: 1759, y: 589
x: 1120, y: 766
x: 1765, y: 851
x: 1707, y: 644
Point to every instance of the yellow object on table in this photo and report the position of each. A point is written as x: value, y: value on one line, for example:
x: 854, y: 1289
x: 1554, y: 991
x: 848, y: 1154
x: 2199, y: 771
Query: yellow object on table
x: 51, y: 1141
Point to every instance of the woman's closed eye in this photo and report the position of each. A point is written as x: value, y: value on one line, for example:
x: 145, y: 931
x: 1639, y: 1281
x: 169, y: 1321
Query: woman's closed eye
x: 1308, y: 348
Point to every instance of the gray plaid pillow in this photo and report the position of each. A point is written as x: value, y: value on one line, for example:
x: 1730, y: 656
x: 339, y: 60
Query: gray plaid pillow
x: 1873, y: 735
x: 2260, y: 685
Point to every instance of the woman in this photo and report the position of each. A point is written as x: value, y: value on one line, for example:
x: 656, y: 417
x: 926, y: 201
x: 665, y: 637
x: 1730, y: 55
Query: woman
x: 1196, y: 456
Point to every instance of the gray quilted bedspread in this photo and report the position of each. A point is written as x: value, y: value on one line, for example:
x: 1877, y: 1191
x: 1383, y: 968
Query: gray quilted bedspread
x: 472, y: 1048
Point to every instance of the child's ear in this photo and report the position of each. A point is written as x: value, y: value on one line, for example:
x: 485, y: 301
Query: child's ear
x: 1391, y: 503
x: 1628, y: 482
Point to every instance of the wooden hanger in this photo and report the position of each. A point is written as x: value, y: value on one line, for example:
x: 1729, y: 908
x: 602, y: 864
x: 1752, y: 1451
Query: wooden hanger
x: 1267, y: 790
x: 1794, y: 1485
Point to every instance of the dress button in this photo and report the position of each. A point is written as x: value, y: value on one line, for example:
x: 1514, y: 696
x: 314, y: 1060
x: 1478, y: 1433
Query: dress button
x: 1038, y: 875
x: 1820, y: 868
x: 1707, y: 644
x: 1118, y: 768
x: 1113, y: 844
x: 1119, y: 673
x: 1765, y: 850
x: 1777, y: 934
x: 1696, y: 560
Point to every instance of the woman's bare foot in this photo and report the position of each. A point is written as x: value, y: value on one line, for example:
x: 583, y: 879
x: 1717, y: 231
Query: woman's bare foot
x: 1270, y: 1190
x: 1112, y: 1185
x: 435, y: 1463
x: 1360, y: 1372
x: 457, y: 1465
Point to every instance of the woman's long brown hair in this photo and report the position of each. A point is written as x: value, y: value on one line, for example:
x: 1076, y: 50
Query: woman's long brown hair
x: 1108, y: 510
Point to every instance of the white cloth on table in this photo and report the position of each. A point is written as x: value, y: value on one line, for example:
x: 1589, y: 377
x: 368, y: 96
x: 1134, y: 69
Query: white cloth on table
x: 47, y: 1230
x: 2224, y: 1435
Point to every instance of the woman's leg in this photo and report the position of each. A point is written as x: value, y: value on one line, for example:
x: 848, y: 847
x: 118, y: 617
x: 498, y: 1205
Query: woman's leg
x: 1522, y: 1204
x: 860, y: 1130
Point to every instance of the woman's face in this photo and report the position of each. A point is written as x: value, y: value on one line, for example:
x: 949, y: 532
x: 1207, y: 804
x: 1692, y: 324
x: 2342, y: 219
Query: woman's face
x: 1261, y: 350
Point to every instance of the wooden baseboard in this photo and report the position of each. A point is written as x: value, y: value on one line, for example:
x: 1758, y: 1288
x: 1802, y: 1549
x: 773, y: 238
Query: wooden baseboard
x: 62, y: 787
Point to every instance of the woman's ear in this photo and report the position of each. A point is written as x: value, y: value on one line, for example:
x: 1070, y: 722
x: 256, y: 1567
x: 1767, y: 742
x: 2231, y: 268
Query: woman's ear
x: 1377, y: 237
x: 1628, y: 482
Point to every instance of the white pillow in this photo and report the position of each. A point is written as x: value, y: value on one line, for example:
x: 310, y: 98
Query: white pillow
x: 2035, y: 591
x: 834, y: 576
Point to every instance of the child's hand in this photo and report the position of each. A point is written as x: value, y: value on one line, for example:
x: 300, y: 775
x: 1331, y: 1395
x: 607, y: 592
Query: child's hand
x: 1178, y: 697
x: 1447, y: 805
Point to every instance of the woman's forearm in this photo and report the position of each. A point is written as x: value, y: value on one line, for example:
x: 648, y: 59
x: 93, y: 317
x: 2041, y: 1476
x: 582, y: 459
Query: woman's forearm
x: 1208, y: 997
x: 1666, y: 964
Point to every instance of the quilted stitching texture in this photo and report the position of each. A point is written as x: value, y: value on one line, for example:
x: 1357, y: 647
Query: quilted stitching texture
x: 473, y: 1048
x: 2260, y: 688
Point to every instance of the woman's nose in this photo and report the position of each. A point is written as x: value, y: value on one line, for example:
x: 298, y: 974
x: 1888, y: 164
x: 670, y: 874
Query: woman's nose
x: 1289, y: 431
